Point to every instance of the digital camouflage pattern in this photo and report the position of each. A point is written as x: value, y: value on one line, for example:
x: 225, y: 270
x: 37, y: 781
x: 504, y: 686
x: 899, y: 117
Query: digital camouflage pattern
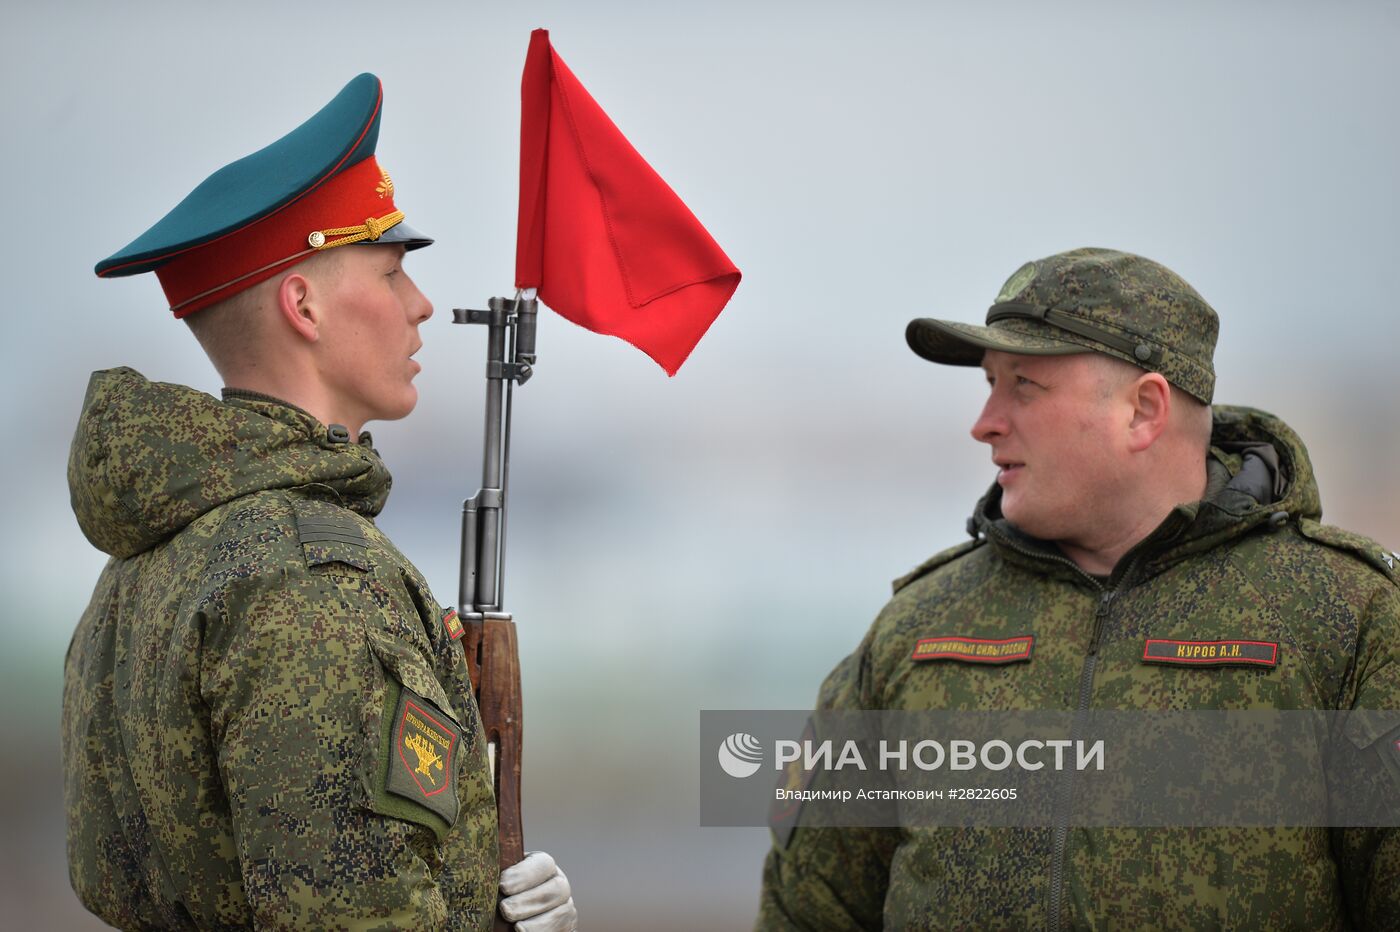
x: 1103, y: 300
x: 232, y: 695
x: 1249, y: 562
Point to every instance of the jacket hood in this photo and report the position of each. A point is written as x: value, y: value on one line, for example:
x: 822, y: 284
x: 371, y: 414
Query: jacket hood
x: 1258, y: 472
x: 150, y: 457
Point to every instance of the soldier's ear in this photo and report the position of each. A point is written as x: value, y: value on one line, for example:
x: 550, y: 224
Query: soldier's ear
x: 299, y: 306
x: 1151, y: 397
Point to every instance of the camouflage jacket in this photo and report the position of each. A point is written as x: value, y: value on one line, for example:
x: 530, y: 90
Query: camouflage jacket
x: 1249, y: 561
x: 267, y: 721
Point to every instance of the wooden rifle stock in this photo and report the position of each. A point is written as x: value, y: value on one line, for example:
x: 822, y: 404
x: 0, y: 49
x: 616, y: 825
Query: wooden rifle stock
x: 493, y: 660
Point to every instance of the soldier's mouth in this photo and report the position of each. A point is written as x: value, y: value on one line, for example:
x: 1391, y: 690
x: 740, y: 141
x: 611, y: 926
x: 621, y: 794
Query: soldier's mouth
x: 1008, y: 470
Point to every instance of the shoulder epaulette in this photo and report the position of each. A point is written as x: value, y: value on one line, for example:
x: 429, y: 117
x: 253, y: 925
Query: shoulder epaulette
x: 330, y: 534
x: 1385, y: 561
x: 937, y: 560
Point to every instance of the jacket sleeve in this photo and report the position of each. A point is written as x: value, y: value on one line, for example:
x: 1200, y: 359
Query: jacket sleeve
x: 1369, y: 858
x: 300, y: 715
x: 829, y: 879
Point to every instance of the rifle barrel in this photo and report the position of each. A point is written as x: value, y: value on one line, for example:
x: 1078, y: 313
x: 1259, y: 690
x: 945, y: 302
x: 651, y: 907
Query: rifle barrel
x: 493, y: 658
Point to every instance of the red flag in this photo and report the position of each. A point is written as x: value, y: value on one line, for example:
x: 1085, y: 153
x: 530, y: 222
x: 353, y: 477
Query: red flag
x: 606, y: 242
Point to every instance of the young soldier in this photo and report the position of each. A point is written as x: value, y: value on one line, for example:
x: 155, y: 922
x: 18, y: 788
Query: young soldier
x: 1127, y: 516
x: 267, y: 719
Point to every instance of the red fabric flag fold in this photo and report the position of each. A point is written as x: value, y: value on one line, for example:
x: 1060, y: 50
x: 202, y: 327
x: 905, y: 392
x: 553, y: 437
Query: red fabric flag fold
x: 602, y: 237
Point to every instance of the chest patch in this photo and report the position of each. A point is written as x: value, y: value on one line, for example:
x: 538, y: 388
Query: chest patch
x: 974, y: 650
x: 1211, y: 653
x: 453, y: 624
x: 423, y: 765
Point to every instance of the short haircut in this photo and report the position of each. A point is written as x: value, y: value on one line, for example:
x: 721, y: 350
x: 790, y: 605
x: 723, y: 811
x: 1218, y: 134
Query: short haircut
x: 1190, y: 412
x: 232, y: 332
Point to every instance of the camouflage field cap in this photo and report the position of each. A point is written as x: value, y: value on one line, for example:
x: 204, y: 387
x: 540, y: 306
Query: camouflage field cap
x: 1084, y: 300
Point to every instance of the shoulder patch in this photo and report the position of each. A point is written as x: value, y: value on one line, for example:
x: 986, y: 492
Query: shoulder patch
x: 1382, y: 559
x: 330, y: 534
x: 937, y: 560
x: 423, y: 766
x: 415, y: 775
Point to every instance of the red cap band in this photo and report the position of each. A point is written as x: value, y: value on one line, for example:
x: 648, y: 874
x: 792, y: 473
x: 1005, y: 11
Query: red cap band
x: 233, y: 263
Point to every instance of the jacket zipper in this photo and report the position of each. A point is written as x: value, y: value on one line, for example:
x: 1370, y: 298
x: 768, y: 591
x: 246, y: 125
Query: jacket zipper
x: 1060, y: 837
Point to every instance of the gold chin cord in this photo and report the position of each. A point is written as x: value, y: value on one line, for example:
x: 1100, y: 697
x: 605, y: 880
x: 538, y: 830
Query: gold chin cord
x: 371, y: 229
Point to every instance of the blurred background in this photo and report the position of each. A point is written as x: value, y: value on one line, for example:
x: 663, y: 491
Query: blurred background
x: 720, y: 539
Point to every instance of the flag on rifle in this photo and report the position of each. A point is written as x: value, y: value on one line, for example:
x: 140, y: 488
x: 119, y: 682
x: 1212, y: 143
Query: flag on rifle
x: 601, y: 236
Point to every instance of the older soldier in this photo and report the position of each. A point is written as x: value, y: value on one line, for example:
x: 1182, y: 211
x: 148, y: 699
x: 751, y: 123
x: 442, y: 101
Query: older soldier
x: 1127, y: 514
x: 267, y: 719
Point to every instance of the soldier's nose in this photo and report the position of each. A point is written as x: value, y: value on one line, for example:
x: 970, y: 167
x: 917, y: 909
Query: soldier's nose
x: 989, y: 426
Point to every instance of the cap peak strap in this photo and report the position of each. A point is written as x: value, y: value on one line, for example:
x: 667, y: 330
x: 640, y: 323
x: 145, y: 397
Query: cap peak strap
x: 1138, y: 348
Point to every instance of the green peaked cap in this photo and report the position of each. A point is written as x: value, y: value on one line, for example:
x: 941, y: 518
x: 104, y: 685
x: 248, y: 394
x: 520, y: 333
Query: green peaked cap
x: 342, y: 133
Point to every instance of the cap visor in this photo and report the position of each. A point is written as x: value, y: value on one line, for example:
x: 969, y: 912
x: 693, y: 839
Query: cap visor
x: 400, y: 234
x: 959, y: 344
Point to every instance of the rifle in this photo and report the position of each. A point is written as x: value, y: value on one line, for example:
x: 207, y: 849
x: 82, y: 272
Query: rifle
x: 493, y: 658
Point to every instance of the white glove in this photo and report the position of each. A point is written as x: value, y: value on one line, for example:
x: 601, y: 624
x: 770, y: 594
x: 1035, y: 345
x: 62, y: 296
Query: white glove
x: 535, y: 895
